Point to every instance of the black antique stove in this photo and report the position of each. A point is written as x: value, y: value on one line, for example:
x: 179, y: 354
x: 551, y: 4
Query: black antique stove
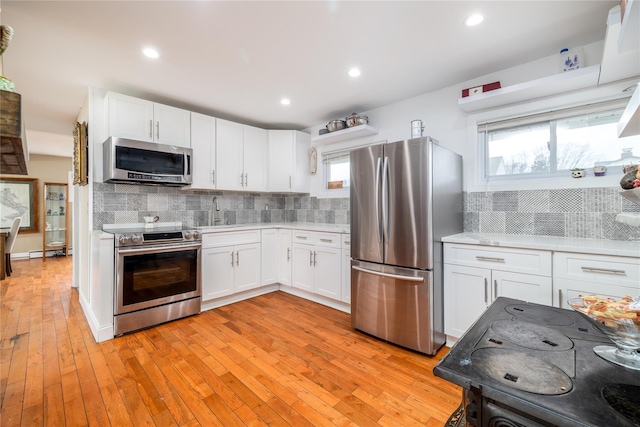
x: 524, y: 364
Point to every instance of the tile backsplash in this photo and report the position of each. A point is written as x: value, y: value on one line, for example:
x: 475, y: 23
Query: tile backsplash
x: 126, y: 203
x: 585, y: 213
x: 578, y: 212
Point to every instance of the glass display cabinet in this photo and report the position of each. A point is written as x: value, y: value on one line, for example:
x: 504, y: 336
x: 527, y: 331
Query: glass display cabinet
x: 56, y: 222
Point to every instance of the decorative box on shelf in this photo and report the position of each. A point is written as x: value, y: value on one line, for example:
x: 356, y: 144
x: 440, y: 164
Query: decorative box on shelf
x: 480, y: 89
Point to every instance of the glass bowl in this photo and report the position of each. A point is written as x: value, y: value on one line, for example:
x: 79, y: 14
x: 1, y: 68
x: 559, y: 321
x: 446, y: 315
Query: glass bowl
x: 624, y: 332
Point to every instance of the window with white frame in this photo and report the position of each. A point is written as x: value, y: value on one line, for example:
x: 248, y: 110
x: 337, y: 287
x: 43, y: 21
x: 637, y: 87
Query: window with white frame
x: 337, y: 171
x: 552, y: 143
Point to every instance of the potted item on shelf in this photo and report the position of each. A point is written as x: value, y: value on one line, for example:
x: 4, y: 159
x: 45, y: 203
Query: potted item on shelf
x: 61, y: 210
x: 578, y: 173
x: 48, y: 211
x: 599, y: 170
x: 631, y: 179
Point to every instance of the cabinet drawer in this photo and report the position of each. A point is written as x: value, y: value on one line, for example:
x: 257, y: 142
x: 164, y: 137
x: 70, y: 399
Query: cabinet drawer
x: 504, y: 259
x: 331, y: 240
x: 308, y: 237
x: 212, y: 240
x: 620, y: 271
x: 346, y: 241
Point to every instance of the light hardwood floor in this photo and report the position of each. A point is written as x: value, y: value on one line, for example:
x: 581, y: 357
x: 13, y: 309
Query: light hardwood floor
x: 271, y: 360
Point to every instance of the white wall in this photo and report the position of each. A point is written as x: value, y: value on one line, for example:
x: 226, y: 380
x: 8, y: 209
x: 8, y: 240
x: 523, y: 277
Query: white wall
x: 455, y: 129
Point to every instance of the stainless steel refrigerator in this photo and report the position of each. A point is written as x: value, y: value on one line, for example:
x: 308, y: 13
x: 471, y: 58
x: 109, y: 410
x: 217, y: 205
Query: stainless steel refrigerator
x: 405, y: 196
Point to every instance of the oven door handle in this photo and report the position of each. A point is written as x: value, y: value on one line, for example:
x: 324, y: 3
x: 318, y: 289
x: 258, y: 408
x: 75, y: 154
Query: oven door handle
x: 157, y: 249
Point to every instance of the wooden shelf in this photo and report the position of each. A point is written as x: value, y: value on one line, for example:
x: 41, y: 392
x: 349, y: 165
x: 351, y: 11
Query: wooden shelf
x: 546, y: 86
x: 345, y: 134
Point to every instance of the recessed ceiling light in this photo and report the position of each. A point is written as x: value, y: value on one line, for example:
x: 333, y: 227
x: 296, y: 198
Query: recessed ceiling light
x: 474, y: 19
x: 354, y: 72
x: 285, y: 101
x: 150, y: 52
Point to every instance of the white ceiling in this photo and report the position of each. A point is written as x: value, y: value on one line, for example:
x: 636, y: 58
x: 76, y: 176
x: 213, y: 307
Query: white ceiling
x: 237, y: 59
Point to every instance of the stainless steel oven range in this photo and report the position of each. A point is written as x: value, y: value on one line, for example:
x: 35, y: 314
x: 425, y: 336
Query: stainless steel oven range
x: 157, y: 276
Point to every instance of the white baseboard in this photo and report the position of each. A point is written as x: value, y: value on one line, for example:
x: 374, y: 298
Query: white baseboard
x: 35, y: 254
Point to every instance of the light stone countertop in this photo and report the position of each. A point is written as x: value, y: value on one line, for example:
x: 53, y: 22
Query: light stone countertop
x: 309, y: 226
x: 548, y: 243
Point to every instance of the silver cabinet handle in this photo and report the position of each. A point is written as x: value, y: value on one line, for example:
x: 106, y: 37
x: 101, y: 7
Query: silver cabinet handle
x: 231, y: 258
x: 346, y: 242
x: 288, y: 254
x: 213, y: 176
x: 390, y: 275
x: 241, y: 180
x: 603, y: 270
x: 246, y: 179
x: 485, y: 290
x: 491, y: 259
x: 315, y: 257
x: 326, y: 240
x: 310, y: 258
x: 237, y: 258
x: 150, y: 129
x: 157, y: 130
x: 289, y: 181
x: 301, y: 237
x: 495, y: 289
x: 560, y: 298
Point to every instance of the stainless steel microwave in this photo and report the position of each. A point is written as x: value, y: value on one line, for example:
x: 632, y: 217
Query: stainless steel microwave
x: 140, y: 162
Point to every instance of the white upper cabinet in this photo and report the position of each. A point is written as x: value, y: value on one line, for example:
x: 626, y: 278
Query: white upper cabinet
x: 255, y: 158
x: 203, y: 143
x: 241, y: 157
x: 288, y: 160
x: 143, y: 120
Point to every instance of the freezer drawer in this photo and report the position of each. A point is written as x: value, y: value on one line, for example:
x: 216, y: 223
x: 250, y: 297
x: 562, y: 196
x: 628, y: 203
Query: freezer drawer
x: 397, y: 305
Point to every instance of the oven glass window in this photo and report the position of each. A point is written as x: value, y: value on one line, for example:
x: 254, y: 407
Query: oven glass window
x: 152, y: 162
x: 152, y: 276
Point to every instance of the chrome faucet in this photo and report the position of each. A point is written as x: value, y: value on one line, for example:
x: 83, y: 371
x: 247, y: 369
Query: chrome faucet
x: 215, y: 212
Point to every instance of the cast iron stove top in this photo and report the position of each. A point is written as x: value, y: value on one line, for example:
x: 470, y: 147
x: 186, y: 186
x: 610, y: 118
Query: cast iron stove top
x: 537, y: 363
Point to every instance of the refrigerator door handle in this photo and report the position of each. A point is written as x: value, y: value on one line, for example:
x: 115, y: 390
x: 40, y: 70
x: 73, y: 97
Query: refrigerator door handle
x: 385, y: 199
x: 390, y: 275
x: 377, y: 190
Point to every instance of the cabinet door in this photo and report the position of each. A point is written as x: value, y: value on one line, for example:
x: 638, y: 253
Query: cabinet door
x: 346, y: 276
x: 203, y: 143
x: 526, y: 287
x: 566, y: 289
x: 328, y: 274
x: 301, y: 144
x: 270, y: 256
x: 280, y: 160
x: 172, y: 126
x: 302, y: 271
x: 466, y: 296
x: 284, y: 273
x: 228, y: 155
x: 130, y: 117
x: 217, y: 268
x: 247, y: 271
x: 255, y: 159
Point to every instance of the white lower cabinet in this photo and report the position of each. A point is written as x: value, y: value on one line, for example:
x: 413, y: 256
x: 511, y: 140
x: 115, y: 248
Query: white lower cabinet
x: 230, y: 263
x: 346, y: 268
x: 576, y: 274
x: 317, y: 263
x: 269, y: 245
x: 286, y: 256
x: 474, y: 276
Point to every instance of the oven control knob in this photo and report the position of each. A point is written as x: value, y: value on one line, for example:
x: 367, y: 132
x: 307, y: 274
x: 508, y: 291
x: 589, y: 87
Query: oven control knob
x: 124, y: 239
x: 196, y: 235
x: 136, y: 238
x: 188, y: 235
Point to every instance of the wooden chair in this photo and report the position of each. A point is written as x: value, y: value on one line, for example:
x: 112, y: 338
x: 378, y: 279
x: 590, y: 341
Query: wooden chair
x: 8, y: 245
